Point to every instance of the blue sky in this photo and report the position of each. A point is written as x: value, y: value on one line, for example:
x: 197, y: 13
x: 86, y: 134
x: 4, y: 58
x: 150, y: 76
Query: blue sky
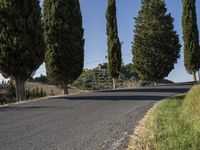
x: 93, y: 12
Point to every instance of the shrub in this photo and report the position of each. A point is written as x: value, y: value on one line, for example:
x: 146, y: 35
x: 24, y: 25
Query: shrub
x: 10, y: 92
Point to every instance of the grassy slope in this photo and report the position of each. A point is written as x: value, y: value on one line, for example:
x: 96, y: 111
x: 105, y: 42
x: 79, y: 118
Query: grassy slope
x: 172, y: 124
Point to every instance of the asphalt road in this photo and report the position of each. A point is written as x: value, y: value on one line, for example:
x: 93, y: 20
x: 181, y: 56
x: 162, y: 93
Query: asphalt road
x: 92, y: 121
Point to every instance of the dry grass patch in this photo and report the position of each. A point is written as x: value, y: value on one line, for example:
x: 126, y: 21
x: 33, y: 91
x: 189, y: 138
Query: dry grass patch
x: 48, y: 88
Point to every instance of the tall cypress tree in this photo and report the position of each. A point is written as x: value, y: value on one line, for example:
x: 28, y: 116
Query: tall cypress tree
x: 21, y: 41
x: 156, y: 45
x: 190, y: 37
x: 113, y: 42
x: 64, y: 40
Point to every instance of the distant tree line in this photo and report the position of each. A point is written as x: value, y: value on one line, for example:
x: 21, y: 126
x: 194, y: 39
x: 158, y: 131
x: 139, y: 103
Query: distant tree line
x: 99, y: 79
x: 40, y: 79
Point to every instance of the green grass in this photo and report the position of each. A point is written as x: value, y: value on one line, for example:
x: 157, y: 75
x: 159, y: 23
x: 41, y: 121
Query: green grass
x: 172, y: 124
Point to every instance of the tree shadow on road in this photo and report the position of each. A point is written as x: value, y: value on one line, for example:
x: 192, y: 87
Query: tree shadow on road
x: 24, y: 108
x: 149, y: 90
x: 115, y: 98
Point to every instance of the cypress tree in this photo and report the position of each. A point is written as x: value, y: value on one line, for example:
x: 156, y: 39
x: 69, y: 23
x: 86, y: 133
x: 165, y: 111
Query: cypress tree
x: 21, y: 41
x: 64, y: 39
x: 37, y: 92
x: 190, y: 37
x: 41, y: 92
x: 113, y: 42
x: 156, y: 45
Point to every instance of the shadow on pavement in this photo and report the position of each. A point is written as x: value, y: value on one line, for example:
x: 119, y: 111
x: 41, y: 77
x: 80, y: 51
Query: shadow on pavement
x: 149, y: 90
x: 115, y: 98
x: 86, y: 98
x: 4, y: 109
x: 149, y: 94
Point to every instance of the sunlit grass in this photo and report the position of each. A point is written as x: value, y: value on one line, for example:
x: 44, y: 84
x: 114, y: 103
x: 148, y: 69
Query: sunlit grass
x: 173, y: 124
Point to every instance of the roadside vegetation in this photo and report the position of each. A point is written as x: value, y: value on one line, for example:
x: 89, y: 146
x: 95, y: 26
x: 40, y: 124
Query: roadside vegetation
x: 35, y: 88
x: 172, y: 124
x: 7, y: 94
x: 99, y: 79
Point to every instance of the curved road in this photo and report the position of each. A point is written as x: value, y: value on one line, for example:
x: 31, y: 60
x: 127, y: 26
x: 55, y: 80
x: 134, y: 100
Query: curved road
x: 92, y: 121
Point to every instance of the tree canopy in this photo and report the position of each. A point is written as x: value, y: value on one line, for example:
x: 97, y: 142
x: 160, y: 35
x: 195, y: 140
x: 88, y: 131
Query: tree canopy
x: 190, y: 37
x: 156, y: 45
x: 64, y: 40
x: 113, y: 42
x: 21, y: 41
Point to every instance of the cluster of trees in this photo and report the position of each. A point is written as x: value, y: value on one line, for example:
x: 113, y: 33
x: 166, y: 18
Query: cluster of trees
x: 99, y: 79
x: 156, y: 46
x: 28, y: 38
x: 41, y: 79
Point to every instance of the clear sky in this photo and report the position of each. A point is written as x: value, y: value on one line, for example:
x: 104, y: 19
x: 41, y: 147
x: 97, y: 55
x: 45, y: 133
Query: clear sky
x: 93, y: 12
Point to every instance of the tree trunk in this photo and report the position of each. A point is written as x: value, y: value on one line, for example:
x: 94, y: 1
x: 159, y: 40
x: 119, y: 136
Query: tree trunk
x: 65, y: 89
x: 20, y: 90
x: 114, y: 84
x: 194, y: 76
x: 199, y: 74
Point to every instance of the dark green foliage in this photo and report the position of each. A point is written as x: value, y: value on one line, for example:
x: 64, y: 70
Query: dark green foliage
x: 28, y: 93
x: 113, y: 42
x: 45, y: 93
x: 158, y: 82
x: 41, y: 79
x: 64, y: 40
x: 128, y: 73
x: 3, y: 82
x: 10, y: 92
x: 35, y: 93
x: 21, y: 40
x: 3, y: 99
x: 190, y: 36
x: 145, y: 83
x: 96, y: 79
x: 41, y: 92
x: 52, y: 93
x: 31, y: 79
x: 156, y: 45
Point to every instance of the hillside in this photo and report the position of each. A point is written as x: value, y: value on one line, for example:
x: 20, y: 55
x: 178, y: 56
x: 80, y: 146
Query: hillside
x: 99, y: 79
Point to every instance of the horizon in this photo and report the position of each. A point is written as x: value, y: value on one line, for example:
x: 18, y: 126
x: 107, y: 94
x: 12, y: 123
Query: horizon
x: 96, y: 39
